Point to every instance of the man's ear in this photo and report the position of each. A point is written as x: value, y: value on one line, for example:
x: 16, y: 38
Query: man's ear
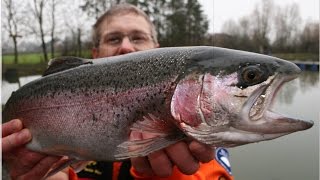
x: 95, y: 52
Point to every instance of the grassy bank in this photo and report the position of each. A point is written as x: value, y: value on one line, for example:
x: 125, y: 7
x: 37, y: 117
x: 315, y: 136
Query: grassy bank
x: 28, y: 63
x: 25, y: 58
x: 297, y: 56
x: 34, y: 58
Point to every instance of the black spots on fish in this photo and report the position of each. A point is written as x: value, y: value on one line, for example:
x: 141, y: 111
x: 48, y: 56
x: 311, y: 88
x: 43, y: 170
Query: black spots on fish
x: 122, y: 108
x: 154, y: 106
x: 163, y: 101
x: 94, y: 117
x: 139, y: 113
x: 116, y: 123
x: 250, y: 75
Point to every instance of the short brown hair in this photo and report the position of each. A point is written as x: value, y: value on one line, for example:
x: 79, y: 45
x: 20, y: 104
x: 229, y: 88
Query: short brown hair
x: 120, y: 9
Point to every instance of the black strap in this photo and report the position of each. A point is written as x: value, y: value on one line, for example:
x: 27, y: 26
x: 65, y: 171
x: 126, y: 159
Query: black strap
x: 97, y: 171
x: 125, y: 171
x: 106, y: 168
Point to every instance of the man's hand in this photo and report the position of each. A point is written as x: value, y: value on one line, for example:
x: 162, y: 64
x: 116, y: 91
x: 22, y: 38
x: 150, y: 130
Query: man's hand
x: 23, y: 163
x: 186, y: 156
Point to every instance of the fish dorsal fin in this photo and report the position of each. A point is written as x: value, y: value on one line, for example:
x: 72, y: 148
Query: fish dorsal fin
x: 64, y: 63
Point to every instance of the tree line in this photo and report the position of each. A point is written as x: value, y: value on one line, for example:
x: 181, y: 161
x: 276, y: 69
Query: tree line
x: 65, y: 26
x: 178, y: 22
x: 270, y: 29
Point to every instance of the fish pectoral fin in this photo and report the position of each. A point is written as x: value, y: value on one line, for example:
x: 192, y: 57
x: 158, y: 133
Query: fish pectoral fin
x: 157, y: 134
x: 79, y: 166
x: 139, y: 148
x: 153, y: 125
x: 64, y: 164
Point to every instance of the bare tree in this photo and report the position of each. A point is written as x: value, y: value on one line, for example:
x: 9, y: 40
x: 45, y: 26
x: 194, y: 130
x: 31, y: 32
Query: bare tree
x: 230, y: 27
x: 261, y: 22
x: 310, y: 38
x: 38, y: 7
x: 97, y: 7
x: 240, y: 32
x: 287, y: 23
x: 53, y: 26
x: 13, y: 18
x: 75, y: 24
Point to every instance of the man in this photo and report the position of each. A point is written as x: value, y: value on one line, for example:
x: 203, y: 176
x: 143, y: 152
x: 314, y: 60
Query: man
x: 121, y: 30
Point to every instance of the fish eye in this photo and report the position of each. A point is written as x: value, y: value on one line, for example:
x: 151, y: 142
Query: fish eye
x: 251, y: 75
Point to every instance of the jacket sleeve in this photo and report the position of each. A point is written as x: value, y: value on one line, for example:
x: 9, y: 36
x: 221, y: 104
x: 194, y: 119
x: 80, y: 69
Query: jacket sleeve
x: 72, y: 174
x: 212, y: 170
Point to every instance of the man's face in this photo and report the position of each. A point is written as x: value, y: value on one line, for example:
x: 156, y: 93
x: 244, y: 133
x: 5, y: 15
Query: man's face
x: 124, y: 34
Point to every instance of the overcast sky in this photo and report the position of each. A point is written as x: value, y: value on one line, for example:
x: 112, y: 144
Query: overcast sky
x: 219, y: 11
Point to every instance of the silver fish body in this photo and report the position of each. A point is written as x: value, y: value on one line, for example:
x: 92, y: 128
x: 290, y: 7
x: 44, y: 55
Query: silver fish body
x: 218, y: 96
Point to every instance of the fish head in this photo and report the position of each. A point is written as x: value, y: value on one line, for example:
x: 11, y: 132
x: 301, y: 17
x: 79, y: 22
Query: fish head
x: 230, y: 95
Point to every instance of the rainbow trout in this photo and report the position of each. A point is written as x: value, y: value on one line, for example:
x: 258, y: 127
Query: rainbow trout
x: 86, y: 109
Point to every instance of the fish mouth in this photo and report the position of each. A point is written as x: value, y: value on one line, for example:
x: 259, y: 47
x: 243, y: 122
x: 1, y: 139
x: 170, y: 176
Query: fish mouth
x: 258, y: 117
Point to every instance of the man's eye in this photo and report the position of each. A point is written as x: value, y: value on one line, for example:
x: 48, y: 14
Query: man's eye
x: 138, y: 39
x: 113, y: 40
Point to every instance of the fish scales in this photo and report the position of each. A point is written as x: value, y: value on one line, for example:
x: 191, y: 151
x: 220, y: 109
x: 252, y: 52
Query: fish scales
x: 97, y: 96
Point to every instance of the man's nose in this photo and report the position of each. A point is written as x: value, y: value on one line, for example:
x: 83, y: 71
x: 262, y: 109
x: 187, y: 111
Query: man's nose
x: 126, y: 46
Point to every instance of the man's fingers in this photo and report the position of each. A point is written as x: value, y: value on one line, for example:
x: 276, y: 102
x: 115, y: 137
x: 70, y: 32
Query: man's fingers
x: 159, y: 160
x: 202, y: 152
x: 181, y: 156
x: 25, y: 161
x: 141, y: 165
x: 12, y: 141
x: 11, y: 127
x: 41, y: 169
x: 160, y: 163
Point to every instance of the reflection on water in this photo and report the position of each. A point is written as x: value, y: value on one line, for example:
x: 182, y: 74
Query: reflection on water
x: 303, y: 84
x: 292, y: 157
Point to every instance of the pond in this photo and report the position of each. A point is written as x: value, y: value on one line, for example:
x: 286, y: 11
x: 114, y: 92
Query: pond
x: 292, y: 157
